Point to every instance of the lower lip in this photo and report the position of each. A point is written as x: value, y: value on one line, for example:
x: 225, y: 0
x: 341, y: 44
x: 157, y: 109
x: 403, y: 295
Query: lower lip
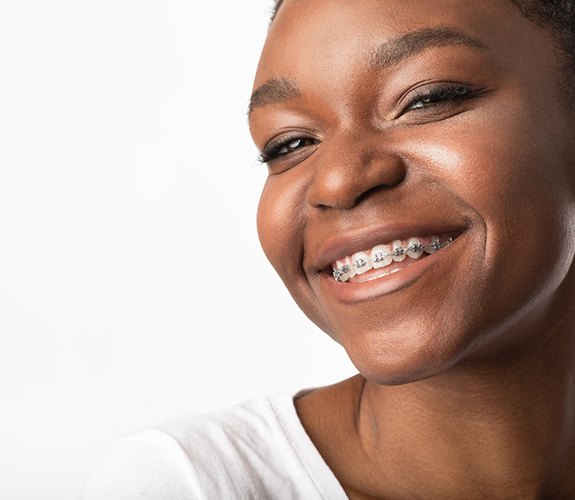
x: 353, y: 293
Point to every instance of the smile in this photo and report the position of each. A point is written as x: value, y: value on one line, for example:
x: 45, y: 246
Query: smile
x: 385, y: 259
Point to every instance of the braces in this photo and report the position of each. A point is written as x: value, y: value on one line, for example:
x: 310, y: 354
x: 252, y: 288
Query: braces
x: 380, y: 256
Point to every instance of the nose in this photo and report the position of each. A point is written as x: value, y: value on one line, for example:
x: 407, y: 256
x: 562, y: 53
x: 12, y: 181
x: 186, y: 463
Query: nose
x: 348, y: 172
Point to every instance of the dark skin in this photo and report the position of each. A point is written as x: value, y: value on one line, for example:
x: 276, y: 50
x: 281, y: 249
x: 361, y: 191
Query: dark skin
x: 466, y: 358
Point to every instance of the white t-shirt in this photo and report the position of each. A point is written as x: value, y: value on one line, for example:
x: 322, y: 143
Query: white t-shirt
x: 256, y: 450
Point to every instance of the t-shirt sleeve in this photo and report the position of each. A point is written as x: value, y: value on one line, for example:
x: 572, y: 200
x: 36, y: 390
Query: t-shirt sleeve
x: 149, y: 465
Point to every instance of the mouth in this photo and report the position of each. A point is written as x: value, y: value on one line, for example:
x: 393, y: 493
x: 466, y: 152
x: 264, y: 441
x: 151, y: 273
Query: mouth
x: 388, y: 258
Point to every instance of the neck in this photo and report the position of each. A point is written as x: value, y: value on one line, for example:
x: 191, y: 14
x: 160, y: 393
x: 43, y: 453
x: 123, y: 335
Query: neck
x: 501, y: 426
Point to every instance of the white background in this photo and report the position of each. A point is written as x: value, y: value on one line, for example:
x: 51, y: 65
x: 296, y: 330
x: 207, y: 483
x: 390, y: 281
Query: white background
x: 132, y: 285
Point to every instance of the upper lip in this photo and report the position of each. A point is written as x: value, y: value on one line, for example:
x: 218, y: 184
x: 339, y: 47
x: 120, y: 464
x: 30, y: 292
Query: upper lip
x: 341, y: 246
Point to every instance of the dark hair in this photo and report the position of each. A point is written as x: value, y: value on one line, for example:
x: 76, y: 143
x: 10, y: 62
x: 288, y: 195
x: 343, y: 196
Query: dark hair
x: 555, y: 15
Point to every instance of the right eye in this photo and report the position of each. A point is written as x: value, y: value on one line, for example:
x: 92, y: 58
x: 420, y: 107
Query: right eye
x: 283, y: 146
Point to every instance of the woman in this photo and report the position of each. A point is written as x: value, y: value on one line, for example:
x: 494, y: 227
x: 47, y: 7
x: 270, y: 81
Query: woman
x: 420, y: 208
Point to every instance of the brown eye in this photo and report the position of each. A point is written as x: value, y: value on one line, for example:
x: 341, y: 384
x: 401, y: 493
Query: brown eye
x: 292, y: 146
x: 439, y: 95
x: 421, y: 103
x: 275, y: 150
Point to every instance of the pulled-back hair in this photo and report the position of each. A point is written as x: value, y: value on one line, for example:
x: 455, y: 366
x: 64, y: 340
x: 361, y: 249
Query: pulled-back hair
x: 556, y: 15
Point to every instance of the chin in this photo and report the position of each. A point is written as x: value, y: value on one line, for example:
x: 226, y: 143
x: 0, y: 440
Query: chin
x: 398, y: 372
x: 401, y: 371
x: 402, y: 361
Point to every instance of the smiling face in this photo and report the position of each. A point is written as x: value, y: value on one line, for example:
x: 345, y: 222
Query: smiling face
x: 392, y: 124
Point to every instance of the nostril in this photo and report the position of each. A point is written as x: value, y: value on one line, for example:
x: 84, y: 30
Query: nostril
x: 369, y: 192
x: 344, y: 181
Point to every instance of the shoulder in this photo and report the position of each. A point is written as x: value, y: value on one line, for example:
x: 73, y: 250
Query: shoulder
x: 228, y: 431
x: 149, y: 461
x: 253, y: 449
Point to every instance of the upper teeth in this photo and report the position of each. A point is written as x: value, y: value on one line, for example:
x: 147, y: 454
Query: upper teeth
x: 383, y: 255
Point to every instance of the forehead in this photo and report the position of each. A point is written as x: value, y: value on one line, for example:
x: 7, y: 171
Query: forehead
x: 323, y: 36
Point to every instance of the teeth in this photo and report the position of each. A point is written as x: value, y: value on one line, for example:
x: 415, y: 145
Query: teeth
x: 383, y: 255
x: 398, y: 251
x: 361, y: 262
x: 345, y: 268
x: 434, y: 247
x: 414, y: 249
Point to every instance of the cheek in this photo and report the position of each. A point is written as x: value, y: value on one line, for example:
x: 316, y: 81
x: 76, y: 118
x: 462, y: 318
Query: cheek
x: 513, y: 175
x: 280, y: 222
x: 508, y: 167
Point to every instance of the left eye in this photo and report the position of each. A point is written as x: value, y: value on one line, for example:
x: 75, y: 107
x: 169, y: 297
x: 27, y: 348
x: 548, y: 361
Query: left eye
x: 275, y: 150
x: 439, y: 95
x: 291, y: 146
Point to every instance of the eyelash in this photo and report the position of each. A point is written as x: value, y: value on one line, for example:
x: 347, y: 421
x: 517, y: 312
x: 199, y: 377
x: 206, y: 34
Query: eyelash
x: 446, y: 94
x: 274, y: 151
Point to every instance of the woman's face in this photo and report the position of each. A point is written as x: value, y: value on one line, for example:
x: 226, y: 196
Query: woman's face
x: 390, y: 120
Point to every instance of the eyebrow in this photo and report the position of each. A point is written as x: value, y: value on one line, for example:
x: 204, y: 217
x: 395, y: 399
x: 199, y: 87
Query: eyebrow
x: 272, y: 92
x: 398, y: 49
x: 388, y: 54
